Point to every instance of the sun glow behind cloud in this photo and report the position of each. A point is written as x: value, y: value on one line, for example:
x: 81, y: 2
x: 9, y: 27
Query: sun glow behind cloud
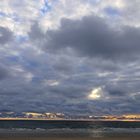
x: 95, y: 94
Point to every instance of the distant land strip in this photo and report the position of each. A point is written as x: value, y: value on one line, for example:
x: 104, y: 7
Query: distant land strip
x: 61, y: 119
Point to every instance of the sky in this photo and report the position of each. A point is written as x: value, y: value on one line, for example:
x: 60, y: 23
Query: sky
x: 70, y: 56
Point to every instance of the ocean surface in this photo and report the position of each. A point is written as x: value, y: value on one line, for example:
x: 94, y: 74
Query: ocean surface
x: 69, y: 128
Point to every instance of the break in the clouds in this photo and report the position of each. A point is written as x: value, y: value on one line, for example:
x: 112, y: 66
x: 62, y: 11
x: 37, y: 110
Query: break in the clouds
x: 70, y: 56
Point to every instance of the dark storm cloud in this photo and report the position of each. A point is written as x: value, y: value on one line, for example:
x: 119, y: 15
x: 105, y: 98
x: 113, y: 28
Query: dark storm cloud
x: 69, y: 92
x: 3, y: 73
x: 116, y: 93
x: 5, y: 35
x: 63, y: 66
x: 36, y: 32
x: 78, y: 55
x: 93, y: 37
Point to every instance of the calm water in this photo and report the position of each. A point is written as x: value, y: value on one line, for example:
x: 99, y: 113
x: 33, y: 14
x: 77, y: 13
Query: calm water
x: 82, y: 128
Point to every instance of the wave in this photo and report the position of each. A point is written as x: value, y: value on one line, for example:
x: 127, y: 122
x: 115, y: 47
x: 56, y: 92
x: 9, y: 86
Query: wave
x: 76, y: 130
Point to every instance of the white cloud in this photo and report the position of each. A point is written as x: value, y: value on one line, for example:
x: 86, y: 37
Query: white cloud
x: 76, y: 9
x: 51, y: 82
x: 18, y: 15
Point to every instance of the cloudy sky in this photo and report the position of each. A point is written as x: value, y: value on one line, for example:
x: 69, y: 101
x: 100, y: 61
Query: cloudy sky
x: 71, y: 56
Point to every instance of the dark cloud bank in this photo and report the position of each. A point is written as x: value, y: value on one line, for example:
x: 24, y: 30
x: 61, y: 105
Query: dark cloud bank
x: 5, y: 35
x: 85, y: 47
x: 3, y: 73
x: 93, y: 37
x: 97, y: 41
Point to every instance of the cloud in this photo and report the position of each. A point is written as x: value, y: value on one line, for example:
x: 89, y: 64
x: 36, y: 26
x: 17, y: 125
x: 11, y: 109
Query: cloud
x: 36, y: 33
x: 130, y: 13
x: 54, y: 55
x: 92, y: 37
x: 4, y: 73
x: 5, y: 35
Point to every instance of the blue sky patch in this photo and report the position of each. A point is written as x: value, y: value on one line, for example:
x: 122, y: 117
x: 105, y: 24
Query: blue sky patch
x: 13, y: 58
x: 112, y: 11
x: 45, y: 8
x: 2, y: 14
x: 21, y: 39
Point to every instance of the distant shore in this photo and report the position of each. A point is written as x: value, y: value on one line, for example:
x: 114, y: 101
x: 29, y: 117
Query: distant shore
x: 60, y: 119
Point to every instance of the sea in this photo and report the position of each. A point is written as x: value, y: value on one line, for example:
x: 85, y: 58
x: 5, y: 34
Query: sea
x: 69, y: 128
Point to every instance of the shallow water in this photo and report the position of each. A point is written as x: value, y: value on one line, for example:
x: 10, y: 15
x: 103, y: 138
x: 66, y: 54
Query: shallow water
x: 96, y: 129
